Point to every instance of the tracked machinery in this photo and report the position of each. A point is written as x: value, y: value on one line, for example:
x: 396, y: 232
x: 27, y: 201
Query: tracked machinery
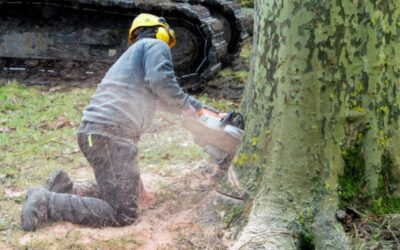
x: 44, y: 41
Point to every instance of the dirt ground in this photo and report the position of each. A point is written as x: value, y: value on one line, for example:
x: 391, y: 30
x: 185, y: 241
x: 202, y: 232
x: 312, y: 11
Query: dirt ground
x: 166, y: 223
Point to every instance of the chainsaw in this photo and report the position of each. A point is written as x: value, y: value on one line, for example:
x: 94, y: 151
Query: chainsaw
x: 218, y: 134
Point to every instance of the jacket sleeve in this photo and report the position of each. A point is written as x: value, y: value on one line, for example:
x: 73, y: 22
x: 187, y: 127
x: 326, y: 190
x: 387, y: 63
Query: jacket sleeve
x: 195, y: 103
x: 160, y: 75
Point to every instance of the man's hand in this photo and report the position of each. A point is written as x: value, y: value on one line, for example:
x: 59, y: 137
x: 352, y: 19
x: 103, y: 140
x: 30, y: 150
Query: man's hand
x: 211, y: 112
x: 189, y: 112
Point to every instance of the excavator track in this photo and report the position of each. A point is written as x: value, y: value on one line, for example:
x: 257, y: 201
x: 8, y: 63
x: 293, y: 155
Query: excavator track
x: 233, y: 20
x: 48, y: 41
x: 213, y: 47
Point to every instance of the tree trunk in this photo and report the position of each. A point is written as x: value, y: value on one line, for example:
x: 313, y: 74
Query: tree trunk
x: 322, y: 99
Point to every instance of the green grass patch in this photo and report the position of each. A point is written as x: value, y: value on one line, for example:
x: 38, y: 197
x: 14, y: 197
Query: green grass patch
x: 247, y: 3
x: 73, y: 241
x: 240, y: 75
x: 37, y: 136
x: 245, y: 53
x: 219, y: 104
x: 38, y: 131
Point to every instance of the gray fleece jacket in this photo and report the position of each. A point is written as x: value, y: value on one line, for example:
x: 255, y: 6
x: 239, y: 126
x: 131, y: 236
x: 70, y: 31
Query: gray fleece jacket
x: 139, y: 81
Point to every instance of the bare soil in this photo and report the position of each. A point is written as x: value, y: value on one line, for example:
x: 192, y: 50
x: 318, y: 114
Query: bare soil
x: 168, y: 222
x: 67, y: 74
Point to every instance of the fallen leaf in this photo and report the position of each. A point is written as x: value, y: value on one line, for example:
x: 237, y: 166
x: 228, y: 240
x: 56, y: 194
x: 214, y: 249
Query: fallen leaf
x: 10, y: 175
x: 80, y: 107
x: 166, y: 156
x: 6, y: 129
x: 73, y: 151
x: 43, y: 125
x: 54, y: 89
x: 60, y: 123
x: 10, y: 194
x: 11, y: 100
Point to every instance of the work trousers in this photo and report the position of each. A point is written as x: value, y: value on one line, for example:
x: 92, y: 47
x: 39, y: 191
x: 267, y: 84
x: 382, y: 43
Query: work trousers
x: 114, y: 162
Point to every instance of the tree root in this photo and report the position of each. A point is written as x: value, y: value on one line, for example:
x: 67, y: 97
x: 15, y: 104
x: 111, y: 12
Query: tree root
x: 270, y: 231
x: 328, y: 232
x: 274, y: 225
x: 265, y: 240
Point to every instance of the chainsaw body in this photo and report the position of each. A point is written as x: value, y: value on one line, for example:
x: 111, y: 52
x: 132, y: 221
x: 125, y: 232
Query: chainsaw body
x: 219, y: 135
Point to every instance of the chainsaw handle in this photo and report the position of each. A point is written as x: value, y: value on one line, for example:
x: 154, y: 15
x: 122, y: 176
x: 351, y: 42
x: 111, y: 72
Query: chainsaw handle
x: 233, y: 118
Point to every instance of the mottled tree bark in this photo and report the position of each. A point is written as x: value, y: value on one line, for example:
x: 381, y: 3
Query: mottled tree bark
x: 324, y: 77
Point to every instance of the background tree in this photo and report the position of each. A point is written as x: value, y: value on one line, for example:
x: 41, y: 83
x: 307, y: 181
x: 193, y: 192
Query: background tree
x: 322, y: 111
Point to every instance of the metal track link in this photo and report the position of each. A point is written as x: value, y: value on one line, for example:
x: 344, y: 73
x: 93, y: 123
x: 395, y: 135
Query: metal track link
x: 232, y: 13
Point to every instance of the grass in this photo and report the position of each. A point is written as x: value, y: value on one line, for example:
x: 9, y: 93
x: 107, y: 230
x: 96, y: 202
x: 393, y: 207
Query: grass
x: 247, y: 3
x: 37, y: 135
x: 38, y: 132
x: 72, y: 241
x: 372, y: 232
x: 241, y: 75
x: 36, y: 125
x: 245, y: 52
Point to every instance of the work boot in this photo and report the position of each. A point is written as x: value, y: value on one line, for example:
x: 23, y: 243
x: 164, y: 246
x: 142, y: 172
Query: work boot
x: 34, y: 211
x: 58, y: 182
x: 81, y: 210
x: 87, y: 188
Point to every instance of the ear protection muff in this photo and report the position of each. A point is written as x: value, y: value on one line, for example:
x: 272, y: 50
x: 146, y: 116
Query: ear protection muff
x: 162, y: 34
x: 162, y: 31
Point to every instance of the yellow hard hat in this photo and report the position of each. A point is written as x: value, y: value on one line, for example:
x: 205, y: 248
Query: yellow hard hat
x: 163, y: 31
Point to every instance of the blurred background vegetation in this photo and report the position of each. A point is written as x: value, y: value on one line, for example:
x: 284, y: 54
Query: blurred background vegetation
x: 246, y: 3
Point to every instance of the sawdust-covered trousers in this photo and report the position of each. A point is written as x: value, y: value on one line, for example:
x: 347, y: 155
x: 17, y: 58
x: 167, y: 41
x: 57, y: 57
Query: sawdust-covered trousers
x: 114, y: 162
